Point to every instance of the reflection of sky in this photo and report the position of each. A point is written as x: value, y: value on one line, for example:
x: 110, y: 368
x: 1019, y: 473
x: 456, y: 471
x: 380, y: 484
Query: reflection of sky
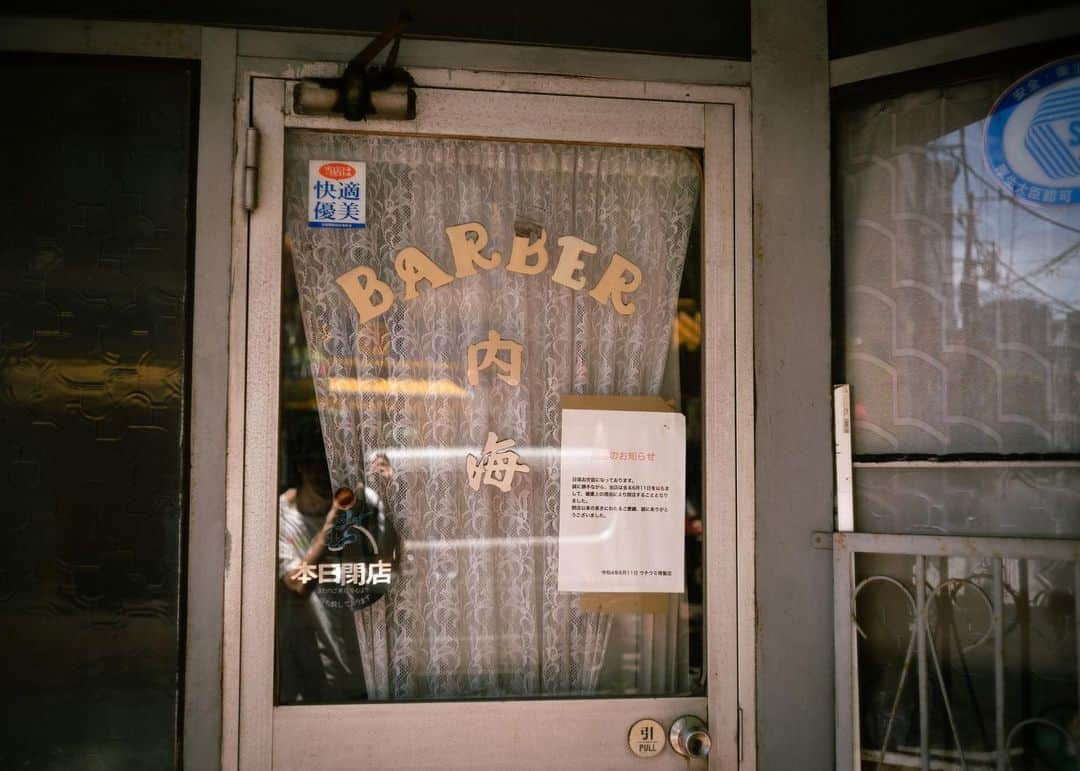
x: 1021, y: 249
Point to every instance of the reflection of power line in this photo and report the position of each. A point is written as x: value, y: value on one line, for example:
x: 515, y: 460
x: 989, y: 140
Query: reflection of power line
x: 974, y: 245
x: 1049, y: 265
x: 1011, y: 199
x: 1035, y: 288
x: 968, y: 285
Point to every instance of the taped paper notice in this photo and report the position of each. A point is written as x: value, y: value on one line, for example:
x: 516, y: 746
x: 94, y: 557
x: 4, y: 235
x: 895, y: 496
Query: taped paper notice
x: 623, y: 499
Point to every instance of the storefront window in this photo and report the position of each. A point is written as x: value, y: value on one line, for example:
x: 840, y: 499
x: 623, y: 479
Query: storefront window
x: 95, y: 268
x: 962, y: 301
x: 961, y: 324
x: 442, y: 300
x: 960, y: 306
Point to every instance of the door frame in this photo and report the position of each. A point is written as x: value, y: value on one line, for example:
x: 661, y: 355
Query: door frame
x: 470, y: 103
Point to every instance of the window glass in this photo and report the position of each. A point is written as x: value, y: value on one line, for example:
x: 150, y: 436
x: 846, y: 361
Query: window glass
x: 960, y: 330
x: 96, y: 215
x: 425, y: 357
x: 1030, y: 500
x: 1037, y: 663
x: 961, y: 302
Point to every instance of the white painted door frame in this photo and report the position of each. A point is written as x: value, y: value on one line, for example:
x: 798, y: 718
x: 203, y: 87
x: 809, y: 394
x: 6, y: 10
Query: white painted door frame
x: 592, y: 733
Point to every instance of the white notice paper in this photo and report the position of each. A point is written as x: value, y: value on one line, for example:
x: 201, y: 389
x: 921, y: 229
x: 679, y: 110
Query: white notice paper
x: 623, y: 500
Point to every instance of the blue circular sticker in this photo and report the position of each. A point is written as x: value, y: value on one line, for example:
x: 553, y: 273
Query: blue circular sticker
x: 1032, y: 140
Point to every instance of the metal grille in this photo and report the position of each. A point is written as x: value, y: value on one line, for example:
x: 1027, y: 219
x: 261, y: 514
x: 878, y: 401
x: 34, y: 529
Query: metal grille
x: 969, y: 658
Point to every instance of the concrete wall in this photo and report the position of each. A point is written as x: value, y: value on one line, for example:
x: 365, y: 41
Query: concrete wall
x: 793, y: 440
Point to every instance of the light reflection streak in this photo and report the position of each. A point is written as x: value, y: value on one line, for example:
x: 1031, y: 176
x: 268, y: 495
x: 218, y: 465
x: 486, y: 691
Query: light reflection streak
x: 403, y: 386
x: 496, y: 543
x: 398, y: 455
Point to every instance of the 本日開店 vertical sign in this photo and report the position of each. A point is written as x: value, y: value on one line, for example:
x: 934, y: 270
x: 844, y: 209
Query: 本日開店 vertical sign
x: 622, y: 501
x: 337, y: 194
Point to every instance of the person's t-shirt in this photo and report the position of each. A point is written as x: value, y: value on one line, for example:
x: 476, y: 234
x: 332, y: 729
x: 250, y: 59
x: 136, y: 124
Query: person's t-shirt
x: 319, y: 658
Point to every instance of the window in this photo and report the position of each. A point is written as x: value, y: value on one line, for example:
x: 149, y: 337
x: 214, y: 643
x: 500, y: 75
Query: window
x: 393, y: 404
x: 959, y: 335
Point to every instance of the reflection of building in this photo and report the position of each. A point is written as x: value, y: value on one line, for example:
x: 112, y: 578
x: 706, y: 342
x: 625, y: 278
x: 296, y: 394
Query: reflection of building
x: 1065, y: 402
x: 1015, y: 383
x: 901, y: 291
x: 956, y: 351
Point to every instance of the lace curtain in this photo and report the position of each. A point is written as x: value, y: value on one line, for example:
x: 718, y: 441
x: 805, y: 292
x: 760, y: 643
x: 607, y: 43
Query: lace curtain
x: 962, y: 304
x: 962, y: 331
x: 475, y: 611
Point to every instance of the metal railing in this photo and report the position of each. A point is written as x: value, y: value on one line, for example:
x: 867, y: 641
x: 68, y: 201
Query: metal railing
x: 926, y: 599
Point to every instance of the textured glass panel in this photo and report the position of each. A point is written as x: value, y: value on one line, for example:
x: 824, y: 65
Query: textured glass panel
x: 94, y: 212
x: 1038, y: 663
x: 387, y: 408
x: 1028, y: 501
x: 962, y: 330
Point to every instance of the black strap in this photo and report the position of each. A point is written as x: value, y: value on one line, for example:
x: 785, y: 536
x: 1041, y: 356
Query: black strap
x: 391, y: 33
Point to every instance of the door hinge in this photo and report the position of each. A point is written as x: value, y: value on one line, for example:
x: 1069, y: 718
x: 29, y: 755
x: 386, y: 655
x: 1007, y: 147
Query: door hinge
x: 251, y: 168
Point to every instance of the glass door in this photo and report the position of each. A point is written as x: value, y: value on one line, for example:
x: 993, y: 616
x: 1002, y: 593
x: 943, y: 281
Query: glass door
x: 489, y: 503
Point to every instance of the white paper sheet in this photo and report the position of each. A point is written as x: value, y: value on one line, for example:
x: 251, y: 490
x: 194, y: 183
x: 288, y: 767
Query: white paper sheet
x: 623, y: 500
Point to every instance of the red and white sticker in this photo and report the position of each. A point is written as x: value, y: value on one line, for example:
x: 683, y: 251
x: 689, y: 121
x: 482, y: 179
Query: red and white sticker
x: 337, y: 194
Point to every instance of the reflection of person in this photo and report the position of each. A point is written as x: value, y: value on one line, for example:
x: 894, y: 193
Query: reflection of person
x: 380, y: 466
x: 319, y: 659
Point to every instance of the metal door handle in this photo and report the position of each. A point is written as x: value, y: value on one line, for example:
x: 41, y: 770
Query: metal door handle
x: 689, y: 737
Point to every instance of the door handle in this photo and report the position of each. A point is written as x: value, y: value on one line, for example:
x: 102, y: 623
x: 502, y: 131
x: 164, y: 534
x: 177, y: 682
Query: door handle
x: 689, y: 737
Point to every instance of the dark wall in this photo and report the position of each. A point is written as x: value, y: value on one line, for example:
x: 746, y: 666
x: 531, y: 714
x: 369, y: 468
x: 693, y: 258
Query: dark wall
x: 693, y: 27
x: 95, y: 211
x: 857, y: 25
